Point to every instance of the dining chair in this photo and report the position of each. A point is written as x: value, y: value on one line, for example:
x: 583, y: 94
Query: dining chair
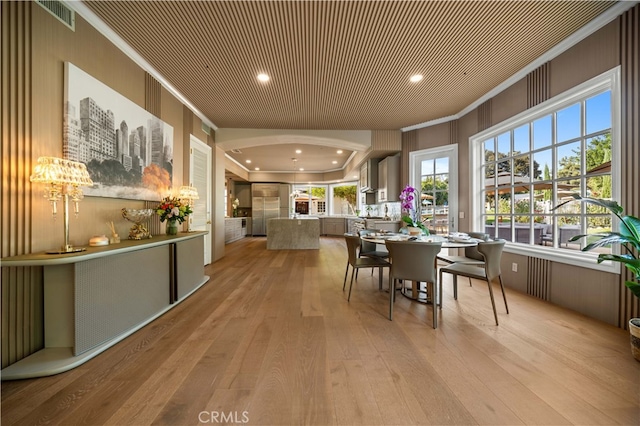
x: 369, y: 249
x: 492, y: 253
x: 413, y: 261
x: 471, y: 254
x: 353, y: 243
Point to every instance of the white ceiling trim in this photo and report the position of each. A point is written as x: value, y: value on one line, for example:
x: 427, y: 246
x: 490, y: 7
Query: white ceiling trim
x: 351, y: 140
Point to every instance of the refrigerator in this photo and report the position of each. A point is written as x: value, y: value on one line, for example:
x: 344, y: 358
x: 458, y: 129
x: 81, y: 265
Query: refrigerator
x: 263, y: 209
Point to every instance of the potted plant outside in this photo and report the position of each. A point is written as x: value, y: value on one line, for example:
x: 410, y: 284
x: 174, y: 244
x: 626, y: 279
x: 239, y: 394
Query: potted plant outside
x: 628, y: 237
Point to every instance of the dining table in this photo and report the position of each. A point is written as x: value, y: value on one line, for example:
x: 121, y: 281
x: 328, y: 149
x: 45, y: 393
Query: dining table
x: 448, y: 241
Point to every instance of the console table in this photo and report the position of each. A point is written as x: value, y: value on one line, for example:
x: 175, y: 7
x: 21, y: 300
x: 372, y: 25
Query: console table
x: 95, y: 298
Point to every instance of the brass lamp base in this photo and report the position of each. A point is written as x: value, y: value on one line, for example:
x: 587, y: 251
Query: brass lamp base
x: 66, y: 250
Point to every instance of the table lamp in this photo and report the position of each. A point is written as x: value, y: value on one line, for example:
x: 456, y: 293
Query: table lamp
x: 188, y: 193
x: 63, y: 179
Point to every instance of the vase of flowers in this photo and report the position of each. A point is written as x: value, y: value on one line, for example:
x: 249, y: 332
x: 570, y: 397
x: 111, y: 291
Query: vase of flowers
x: 174, y: 211
x: 411, y: 210
x: 172, y: 227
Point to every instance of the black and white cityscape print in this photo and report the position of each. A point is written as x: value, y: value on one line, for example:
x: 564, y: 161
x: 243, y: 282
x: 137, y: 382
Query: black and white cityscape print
x: 127, y: 150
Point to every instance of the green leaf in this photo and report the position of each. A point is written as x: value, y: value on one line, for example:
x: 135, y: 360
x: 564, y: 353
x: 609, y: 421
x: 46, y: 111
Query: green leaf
x: 634, y: 287
x: 630, y: 229
x: 407, y: 220
x: 605, y: 240
x: 627, y: 260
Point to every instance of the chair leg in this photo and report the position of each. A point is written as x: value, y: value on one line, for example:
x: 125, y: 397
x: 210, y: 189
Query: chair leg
x: 392, y: 292
x: 379, y: 277
x: 455, y: 286
x: 504, y: 295
x: 351, y: 284
x: 434, y: 298
x: 493, y: 302
x: 345, y: 276
x: 440, y: 288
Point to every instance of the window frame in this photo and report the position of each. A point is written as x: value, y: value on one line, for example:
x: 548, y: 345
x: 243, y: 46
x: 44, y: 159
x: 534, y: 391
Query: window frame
x: 609, y: 80
x: 331, y: 196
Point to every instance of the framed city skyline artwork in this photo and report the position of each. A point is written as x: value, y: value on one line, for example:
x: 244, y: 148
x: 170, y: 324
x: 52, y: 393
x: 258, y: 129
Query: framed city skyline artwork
x: 127, y: 150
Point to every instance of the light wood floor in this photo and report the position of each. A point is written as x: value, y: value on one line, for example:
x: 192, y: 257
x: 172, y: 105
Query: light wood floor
x: 271, y: 340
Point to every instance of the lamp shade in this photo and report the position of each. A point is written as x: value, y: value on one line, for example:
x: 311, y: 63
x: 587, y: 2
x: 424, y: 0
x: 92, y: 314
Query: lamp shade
x: 188, y: 192
x: 60, y: 171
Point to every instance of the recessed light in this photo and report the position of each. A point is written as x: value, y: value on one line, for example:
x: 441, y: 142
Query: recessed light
x: 334, y: 162
x: 415, y: 78
x: 263, y: 77
x: 257, y: 168
x: 339, y: 151
x: 298, y: 151
x: 248, y: 161
x: 301, y: 169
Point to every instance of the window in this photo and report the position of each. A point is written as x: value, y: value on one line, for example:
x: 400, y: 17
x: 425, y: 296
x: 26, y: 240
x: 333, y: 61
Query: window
x: 523, y: 168
x: 344, y: 198
x: 336, y: 199
x: 310, y: 199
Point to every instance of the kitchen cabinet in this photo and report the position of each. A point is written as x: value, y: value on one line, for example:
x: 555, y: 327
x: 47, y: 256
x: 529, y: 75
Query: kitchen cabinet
x: 367, y: 198
x: 233, y: 229
x: 333, y: 226
x: 390, y: 226
x: 383, y: 225
x: 285, y: 199
x: 369, y: 176
x: 243, y: 194
x: 389, y: 179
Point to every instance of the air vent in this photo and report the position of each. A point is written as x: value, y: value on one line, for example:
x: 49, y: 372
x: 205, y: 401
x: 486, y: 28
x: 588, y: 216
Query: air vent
x: 60, y: 11
x: 236, y: 151
x: 206, y: 129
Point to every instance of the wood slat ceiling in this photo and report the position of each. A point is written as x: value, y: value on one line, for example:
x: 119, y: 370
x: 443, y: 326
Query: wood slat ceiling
x: 340, y: 64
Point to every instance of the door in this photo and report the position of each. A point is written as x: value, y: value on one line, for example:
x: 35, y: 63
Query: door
x: 435, y: 173
x: 200, y: 178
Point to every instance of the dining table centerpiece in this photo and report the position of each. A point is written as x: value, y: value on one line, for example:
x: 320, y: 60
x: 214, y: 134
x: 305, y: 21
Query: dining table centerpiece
x: 411, y: 211
x: 174, y: 211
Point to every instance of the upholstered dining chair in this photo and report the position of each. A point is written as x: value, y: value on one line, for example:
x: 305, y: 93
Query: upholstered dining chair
x: 471, y: 254
x: 369, y: 249
x: 353, y: 243
x: 413, y: 261
x: 492, y: 253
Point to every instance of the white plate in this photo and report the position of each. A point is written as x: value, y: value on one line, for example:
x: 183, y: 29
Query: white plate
x: 461, y: 239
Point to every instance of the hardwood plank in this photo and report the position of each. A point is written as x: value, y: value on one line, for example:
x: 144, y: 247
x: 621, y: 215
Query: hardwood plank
x: 146, y: 403
x: 354, y: 398
x: 462, y: 380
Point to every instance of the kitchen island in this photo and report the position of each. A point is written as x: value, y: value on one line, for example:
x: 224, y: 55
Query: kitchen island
x: 293, y: 234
